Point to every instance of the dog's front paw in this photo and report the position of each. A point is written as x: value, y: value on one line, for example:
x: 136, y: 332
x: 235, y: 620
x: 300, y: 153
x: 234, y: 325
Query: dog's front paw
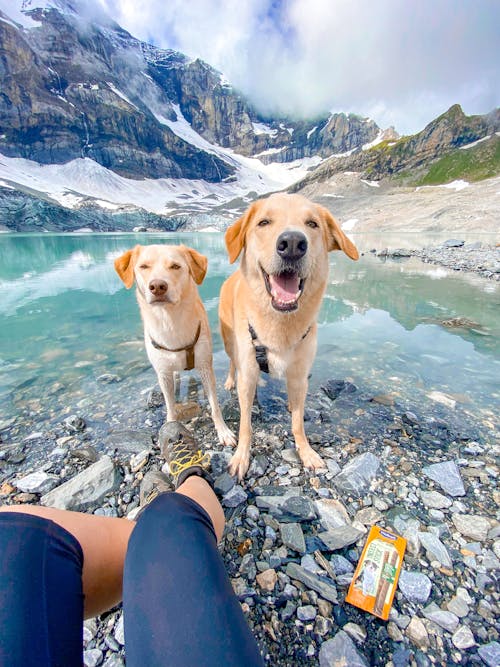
x: 226, y: 436
x: 238, y: 465
x: 230, y: 383
x: 311, y: 459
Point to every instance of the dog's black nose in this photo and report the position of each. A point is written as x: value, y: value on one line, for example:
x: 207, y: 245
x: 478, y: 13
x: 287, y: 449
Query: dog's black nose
x: 291, y: 245
x: 158, y: 287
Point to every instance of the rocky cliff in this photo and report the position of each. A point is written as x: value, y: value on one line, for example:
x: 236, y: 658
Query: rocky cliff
x: 450, y: 131
x: 78, y: 87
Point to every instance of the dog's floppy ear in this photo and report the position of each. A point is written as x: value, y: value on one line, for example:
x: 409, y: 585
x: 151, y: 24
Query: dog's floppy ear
x: 235, y: 235
x: 336, y: 239
x: 197, y: 262
x: 124, y: 266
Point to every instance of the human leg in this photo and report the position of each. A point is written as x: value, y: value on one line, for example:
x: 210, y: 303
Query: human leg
x: 179, y: 606
x: 103, y: 541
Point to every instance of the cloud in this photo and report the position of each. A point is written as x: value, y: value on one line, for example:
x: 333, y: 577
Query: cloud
x: 402, y: 63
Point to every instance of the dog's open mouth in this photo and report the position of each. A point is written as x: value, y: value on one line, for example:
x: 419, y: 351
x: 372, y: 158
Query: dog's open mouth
x: 285, y: 289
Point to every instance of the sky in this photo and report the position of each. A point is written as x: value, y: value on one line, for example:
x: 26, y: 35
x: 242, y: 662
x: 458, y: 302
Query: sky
x: 400, y: 62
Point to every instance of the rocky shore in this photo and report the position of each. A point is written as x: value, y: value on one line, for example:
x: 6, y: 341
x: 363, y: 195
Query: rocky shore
x: 293, y: 538
x: 456, y: 255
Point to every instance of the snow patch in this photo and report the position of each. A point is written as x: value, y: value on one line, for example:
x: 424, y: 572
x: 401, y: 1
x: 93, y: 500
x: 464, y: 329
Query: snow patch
x: 372, y: 184
x: 122, y: 95
x: 262, y: 128
x: 378, y: 139
x: 349, y: 225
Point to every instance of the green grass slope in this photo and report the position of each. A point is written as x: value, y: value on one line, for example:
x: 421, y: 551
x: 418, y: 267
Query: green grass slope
x: 471, y: 164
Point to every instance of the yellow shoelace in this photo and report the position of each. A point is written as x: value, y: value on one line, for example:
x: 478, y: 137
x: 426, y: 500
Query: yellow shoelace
x: 184, y: 459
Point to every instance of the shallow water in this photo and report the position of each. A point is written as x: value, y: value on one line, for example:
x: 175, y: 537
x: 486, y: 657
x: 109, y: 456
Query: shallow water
x: 66, y: 319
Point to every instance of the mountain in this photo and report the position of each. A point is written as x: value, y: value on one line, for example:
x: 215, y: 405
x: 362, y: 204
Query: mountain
x: 412, y: 156
x: 74, y: 85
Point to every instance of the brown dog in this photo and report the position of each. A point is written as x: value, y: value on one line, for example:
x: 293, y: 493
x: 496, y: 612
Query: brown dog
x: 268, y: 308
x: 176, y: 330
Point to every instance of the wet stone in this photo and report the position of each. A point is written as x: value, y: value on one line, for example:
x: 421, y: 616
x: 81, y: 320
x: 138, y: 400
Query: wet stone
x: 333, y: 388
x: 340, y: 650
x: 447, y: 475
x: 74, y: 424
x: 415, y: 586
x: 356, y: 476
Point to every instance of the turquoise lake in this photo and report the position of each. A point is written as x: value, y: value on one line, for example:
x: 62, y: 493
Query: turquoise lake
x: 66, y: 319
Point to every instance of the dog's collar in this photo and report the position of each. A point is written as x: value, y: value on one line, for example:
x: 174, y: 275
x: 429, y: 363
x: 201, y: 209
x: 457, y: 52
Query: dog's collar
x: 261, y: 350
x: 188, y: 348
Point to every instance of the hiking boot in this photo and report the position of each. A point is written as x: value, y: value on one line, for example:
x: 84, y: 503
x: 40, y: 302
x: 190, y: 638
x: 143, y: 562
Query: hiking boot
x: 182, y: 453
x: 153, y: 483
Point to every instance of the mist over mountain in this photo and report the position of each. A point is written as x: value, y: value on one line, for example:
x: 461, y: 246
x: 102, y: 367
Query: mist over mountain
x: 93, y: 119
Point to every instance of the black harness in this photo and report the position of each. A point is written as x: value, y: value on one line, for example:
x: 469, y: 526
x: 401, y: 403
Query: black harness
x: 189, y: 349
x: 261, y: 350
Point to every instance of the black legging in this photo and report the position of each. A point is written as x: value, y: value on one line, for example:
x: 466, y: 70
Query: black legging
x: 179, y: 607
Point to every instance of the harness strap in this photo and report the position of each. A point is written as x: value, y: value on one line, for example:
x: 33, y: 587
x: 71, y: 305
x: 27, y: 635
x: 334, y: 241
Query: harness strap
x: 261, y: 350
x: 189, y: 349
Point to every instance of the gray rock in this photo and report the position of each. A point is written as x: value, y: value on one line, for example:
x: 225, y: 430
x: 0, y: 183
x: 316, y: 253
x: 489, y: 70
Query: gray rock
x: 87, y: 489
x: 458, y: 606
x: 288, y: 509
x: 447, y: 476
x: 258, y: 466
x: 338, y: 538
x: 445, y: 619
x: 463, y: 638
x: 292, y: 537
x: 108, y: 378
x: 340, y: 650
x: 74, y: 424
x: 92, y: 657
x: 341, y: 565
x: 290, y: 455
x: 415, y: 586
x: 490, y: 654
x: 435, y: 500
x: 355, y: 632
x: 306, y: 613
x: 356, y: 476
x: 435, y: 549
x: 37, y: 482
x: 224, y: 483
x: 453, y: 243
x: 130, y: 440
x: 114, y: 661
x: 327, y: 591
x: 332, y: 513
x: 472, y: 525
x: 234, y: 496
x: 119, y: 632
x: 333, y: 466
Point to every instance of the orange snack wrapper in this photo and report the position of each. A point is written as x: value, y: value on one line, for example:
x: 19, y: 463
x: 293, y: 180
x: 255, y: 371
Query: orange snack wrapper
x: 376, y: 576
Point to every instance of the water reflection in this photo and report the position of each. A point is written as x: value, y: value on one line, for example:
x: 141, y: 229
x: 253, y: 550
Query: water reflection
x: 66, y: 319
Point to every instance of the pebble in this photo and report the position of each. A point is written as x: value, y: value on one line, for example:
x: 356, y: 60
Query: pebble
x: 490, y: 654
x: 417, y: 633
x: 463, y: 638
x: 415, y: 586
x: 332, y: 513
x: 292, y: 536
x: 355, y: 632
x: 435, y: 549
x: 445, y: 619
x: 356, y: 476
x: 92, y: 657
x: 37, y: 482
x: 86, y: 489
x: 267, y: 579
x: 447, y: 475
x: 306, y: 613
x: 435, y: 500
x: 235, y: 496
x: 338, y: 538
x: 340, y: 650
x: 327, y: 591
x: 472, y: 525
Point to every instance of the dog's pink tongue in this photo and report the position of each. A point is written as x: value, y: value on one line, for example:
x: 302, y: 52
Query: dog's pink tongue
x: 285, y: 286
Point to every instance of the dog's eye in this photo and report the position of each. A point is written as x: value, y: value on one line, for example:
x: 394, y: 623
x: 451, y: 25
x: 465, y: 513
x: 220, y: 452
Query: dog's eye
x: 263, y: 223
x: 144, y: 266
x: 175, y: 266
x: 312, y: 224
